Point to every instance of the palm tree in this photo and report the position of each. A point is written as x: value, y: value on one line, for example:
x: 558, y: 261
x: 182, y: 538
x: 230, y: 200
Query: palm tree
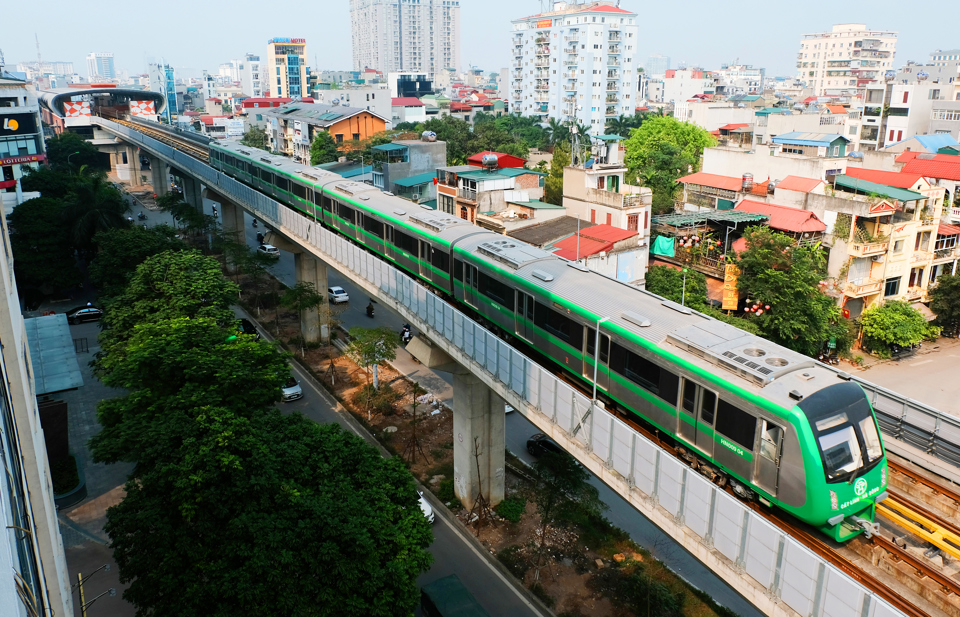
x: 619, y: 126
x: 556, y: 132
x: 94, y: 205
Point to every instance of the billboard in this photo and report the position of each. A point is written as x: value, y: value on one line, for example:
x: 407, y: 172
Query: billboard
x: 234, y: 128
x: 18, y: 124
x: 76, y: 110
x: 142, y: 108
x: 731, y: 295
x: 544, y: 23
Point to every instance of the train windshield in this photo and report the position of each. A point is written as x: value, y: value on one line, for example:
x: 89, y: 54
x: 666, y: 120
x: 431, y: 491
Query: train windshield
x: 845, y: 430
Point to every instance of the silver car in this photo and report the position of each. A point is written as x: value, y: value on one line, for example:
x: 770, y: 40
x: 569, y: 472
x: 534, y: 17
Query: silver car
x: 269, y: 249
x: 337, y: 294
x: 291, y: 391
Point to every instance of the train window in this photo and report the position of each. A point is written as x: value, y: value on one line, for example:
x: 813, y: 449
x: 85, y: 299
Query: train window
x: 405, y: 242
x: 736, y: 424
x: 707, y: 405
x: 232, y: 162
x: 310, y: 196
x: 648, y: 375
x: 282, y: 183
x: 441, y: 261
x: 373, y: 226
x: 318, y: 198
x: 299, y: 191
x: 770, y: 439
x: 592, y: 342
x: 560, y: 326
x: 458, y: 269
x: 501, y: 293
x: 345, y: 212
x: 327, y: 203
x: 266, y: 176
x: 868, y: 428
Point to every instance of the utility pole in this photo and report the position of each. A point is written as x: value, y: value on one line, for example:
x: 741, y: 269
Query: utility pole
x: 39, y: 59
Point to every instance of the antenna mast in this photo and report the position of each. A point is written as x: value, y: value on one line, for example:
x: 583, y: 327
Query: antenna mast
x: 39, y: 60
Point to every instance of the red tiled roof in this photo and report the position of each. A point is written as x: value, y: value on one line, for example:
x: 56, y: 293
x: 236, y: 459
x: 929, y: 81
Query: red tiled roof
x: 784, y: 217
x: 730, y: 127
x: 568, y: 247
x: 208, y: 120
x: 889, y: 178
x: 948, y: 230
x: 809, y: 99
x: 607, y: 232
x: 604, y: 8
x: 456, y: 106
x: 836, y: 109
x: 503, y: 160
x: 406, y: 101
x: 712, y: 180
x: 759, y: 188
x: 940, y: 169
x: 799, y: 184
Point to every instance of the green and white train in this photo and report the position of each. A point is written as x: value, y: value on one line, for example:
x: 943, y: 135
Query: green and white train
x: 774, y: 424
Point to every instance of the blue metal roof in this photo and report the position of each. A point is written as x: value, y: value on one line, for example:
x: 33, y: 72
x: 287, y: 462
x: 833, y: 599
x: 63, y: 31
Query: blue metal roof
x: 796, y: 138
x: 416, y: 180
x: 932, y: 143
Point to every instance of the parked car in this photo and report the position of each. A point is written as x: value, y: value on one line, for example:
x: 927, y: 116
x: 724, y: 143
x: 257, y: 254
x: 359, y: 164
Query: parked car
x: 427, y: 509
x: 247, y: 327
x: 84, y: 313
x: 538, y: 444
x: 291, y: 390
x: 269, y: 249
x: 337, y: 294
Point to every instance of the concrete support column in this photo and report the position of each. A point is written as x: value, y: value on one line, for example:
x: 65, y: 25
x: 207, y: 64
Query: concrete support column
x: 231, y: 221
x: 133, y: 161
x: 160, y: 177
x: 190, y: 191
x: 478, y: 421
x: 312, y: 270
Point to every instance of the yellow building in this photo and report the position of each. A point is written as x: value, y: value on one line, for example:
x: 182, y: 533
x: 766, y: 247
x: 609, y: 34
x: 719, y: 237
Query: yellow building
x: 285, y: 72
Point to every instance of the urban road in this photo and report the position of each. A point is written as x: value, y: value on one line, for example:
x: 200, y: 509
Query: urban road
x: 454, y: 555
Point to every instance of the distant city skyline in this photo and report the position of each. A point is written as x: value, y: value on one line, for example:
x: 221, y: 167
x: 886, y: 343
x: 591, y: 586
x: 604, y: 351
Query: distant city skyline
x: 697, y: 38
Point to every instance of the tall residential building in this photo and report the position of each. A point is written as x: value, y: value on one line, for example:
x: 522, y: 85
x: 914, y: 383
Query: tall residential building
x: 656, y: 66
x: 163, y: 80
x: 945, y: 57
x: 100, y: 66
x: 577, y: 62
x: 250, y: 76
x: 403, y: 36
x: 847, y: 58
x: 286, y: 69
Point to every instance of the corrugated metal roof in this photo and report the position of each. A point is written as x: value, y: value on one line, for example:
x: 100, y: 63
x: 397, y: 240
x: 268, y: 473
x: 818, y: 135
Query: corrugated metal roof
x: 784, y: 218
x: 799, y: 184
x: 936, y: 168
x: 865, y: 186
x: 425, y: 178
x: 405, y: 101
x: 836, y: 109
x: 545, y: 233
x: 698, y: 218
x: 930, y: 143
x: 797, y: 138
x: 608, y: 233
x: 889, y: 178
x: 54, y: 358
x: 712, y: 180
x: 573, y: 249
x: 948, y: 230
x: 389, y: 147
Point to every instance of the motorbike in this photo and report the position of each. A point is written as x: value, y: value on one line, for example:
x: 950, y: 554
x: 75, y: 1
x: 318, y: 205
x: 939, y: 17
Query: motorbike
x: 254, y: 222
x: 370, y: 310
x: 406, y: 335
x: 142, y: 216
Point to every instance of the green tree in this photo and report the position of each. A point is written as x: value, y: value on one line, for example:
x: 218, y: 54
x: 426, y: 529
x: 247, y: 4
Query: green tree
x: 256, y: 137
x: 556, y: 132
x: 363, y: 149
x: 553, y: 184
x: 456, y: 133
x: 370, y: 347
x: 668, y: 283
x: 665, y: 149
x: 945, y: 302
x: 94, y: 205
x: 323, y: 149
x: 302, y: 297
x: 775, y: 272
x: 55, y: 182
x: 121, y: 250
x: 70, y: 151
x: 270, y: 515
x: 894, y: 322
x: 42, y: 246
x: 562, y: 492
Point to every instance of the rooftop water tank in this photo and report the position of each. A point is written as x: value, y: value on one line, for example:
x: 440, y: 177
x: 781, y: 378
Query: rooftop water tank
x: 490, y: 161
x: 747, y: 183
x: 428, y: 136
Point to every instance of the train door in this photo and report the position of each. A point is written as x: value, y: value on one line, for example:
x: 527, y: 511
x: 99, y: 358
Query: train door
x: 698, y: 411
x: 589, y: 354
x: 768, y: 463
x: 470, y: 281
x: 524, y: 316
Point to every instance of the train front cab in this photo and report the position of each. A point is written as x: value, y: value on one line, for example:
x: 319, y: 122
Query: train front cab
x: 852, y: 476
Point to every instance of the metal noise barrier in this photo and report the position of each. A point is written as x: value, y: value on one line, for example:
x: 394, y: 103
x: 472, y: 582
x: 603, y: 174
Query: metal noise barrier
x: 787, y: 571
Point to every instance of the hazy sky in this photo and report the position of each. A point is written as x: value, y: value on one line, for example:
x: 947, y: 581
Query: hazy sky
x: 698, y: 32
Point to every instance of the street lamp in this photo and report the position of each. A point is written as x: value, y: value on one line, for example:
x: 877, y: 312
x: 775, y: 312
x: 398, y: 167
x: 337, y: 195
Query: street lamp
x: 69, y: 155
x: 84, y: 605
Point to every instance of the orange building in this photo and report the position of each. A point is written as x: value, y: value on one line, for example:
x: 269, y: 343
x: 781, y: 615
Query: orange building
x: 293, y: 127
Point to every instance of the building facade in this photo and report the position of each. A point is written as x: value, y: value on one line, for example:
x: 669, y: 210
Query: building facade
x: 292, y: 128
x: 163, y: 80
x: 393, y: 35
x: 100, y: 66
x: 21, y: 137
x: 847, y: 58
x: 250, y: 76
x: 656, y: 66
x: 945, y: 57
x: 575, y: 63
x: 285, y: 72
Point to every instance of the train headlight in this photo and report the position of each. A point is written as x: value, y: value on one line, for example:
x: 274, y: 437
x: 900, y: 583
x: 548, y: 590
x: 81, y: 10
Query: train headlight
x: 834, y: 504
x: 883, y: 476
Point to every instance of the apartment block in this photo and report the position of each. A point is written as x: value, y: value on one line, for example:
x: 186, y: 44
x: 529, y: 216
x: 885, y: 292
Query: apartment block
x: 285, y: 72
x: 100, y: 66
x: 250, y: 76
x: 848, y: 57
x: 575, y: 63
x: 394, y: 35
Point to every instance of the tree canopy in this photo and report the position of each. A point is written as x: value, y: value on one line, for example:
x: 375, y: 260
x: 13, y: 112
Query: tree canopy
x: 894, y: 322
x: 123, y: 249
x: 511, y: 133
x: 668, y: 282
x: 323, y: 149
x: 662, y: 150
x: 256, y: 137
x: 553, y: 184
x: 945, y: 302
x: 776, y: 273
x: 71, y: 151
x: 370, y: 347
x: 42, y: 246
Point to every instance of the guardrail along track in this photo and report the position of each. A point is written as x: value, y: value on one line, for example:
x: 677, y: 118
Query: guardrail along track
x: 195, y: 150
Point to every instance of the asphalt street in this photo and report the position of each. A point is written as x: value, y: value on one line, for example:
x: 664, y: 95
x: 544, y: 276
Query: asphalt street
x: 518, y: 429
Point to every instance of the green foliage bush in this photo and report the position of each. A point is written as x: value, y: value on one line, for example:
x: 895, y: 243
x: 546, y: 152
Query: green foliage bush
x: 380, y: 401
x: 513, y: 558
x: 894, y: 322
x: 511, y: 508
x: 632, y: 588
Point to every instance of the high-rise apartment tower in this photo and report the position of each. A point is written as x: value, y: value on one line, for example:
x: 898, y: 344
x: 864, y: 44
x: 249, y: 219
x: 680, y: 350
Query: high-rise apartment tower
x: 847, y: 58
x: 100, y: 66
x: 285, y: 73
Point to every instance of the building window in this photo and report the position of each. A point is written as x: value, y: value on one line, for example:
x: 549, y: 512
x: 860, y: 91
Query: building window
x: 356, y: 137
x: 339, y: 138
x: 905, y: 95
x: 892, y: 287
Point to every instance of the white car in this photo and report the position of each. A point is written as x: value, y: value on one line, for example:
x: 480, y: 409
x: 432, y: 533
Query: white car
x: 291, y: 390
x: 427, y: 509
x: 269, y: 249
x: 337, y: 294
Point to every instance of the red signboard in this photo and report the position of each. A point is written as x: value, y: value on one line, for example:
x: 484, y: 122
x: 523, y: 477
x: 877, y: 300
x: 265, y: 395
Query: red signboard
x: 29, y: 158
x: 544, y: 23
x: 9, y: 184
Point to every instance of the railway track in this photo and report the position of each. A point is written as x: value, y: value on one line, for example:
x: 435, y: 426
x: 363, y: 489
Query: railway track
x: 195, y: 150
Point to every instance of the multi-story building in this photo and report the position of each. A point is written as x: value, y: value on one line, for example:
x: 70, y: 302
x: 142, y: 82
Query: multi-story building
x: 250, y: 68
x: 100, y: 66
x: 900, y: 109
x: 292, y: 128
x: 285, y: 72
x: 395, y: 35
x: 35, y: 70
x: 679, y: 85
x: 36, y: 580
x: 575, y: 63
x: 163, y: 80
x: 848, y: 57
x: 734, y: 79
x: 945, y: 57
x: 21, y: 137
x: 481, y: 195
x: 656, y: 66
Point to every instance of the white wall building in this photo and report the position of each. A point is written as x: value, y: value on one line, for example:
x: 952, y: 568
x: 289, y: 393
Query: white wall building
x: 100, y: 66
x: 575, y: 62
x: 945, y: 57
x: 250, y: 80
x: 656, y: 66
x: 848, y: 57
x: 682, y: 84
x: 375, y: 98
x: 393, y: 35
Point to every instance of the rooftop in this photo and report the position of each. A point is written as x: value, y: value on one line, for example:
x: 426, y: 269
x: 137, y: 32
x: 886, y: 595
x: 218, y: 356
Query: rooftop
x: 784, y: 218
x: 406, y: 101
x: 417, y: 180
x: 797, y: 138
x: 930, y: 143
x: 535, y: 204
x: 936, y: 168
x: 889, y: 178
x: 865, y: 186
x: 728, y: 183
x: 799, y: 184
x: 506, y: 172
x: 317, y: 114
x: 691, y: 219
x: 545, y: 233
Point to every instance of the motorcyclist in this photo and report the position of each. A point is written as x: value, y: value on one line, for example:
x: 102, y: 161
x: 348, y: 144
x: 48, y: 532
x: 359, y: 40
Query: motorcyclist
x: 370, y: 309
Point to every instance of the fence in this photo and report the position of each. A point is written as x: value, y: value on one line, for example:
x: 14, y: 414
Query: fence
x: 737, y: 542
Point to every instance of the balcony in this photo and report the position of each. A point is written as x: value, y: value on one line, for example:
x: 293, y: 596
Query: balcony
x: 867, y: 250
x: 569, y: 99
x: 612, y: 87
x: 541, y: 63
x: 914, y: 293
x: 613, y: 99
x: 611, y: 111
x: 467, y: 194
x: 543, y: 51
x: 570, y: 50
x: 629, y: 197
x: 570, y: 63
x: 613, y: 49
x: 955, y: 214
x: 613, y: 62
x: 614, y: 36
x: 613, y: 75
x: 863, y: 287
x: 950, y: 253
x: 572, y: 37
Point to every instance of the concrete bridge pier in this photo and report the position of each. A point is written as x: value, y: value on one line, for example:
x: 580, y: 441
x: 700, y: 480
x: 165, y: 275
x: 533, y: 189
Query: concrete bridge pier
x: 478, y: 424
x: 192, y: 191
x: 311, y: 270
x: 231, y: 217
x: 159, y: 176
x: 133, y: 163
